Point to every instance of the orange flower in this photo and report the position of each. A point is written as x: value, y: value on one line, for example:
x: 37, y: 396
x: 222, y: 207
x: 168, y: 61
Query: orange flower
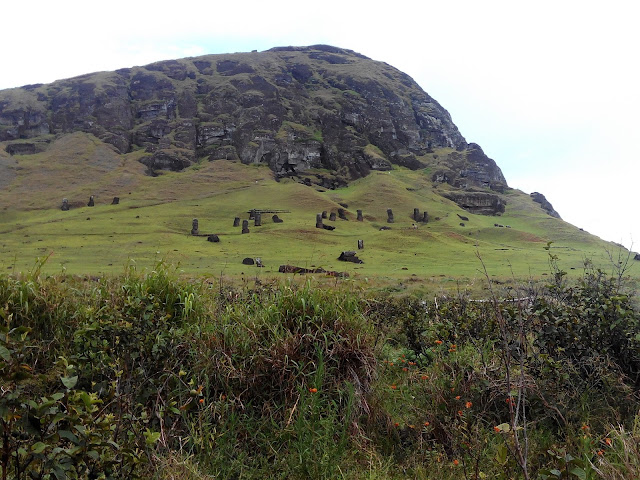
x: 600, y: 453
x: 424, y: 377
x: 391, y: 363
x: 468, y: 404
x: 607, y: 441
x: 396, y: 424
x: 456, y: 462
x: 585, y: 427
x: 438, y: 342
x: 426, y: 424
x: 458, y: 397
x: 496, y: 429
x: 412, y: 363
x: 313, y: 390
x: 460, y: 412
x: 405, y: 369
x: 412, y: 426
x: 201, y: 401
x: 393, y: 387
x: 453, y: 345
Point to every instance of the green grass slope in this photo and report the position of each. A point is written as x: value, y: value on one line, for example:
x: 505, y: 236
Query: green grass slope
x: 153, y: 221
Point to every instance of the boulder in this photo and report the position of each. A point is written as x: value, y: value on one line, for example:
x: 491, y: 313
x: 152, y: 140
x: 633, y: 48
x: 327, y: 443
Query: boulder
x: 349, y: 256
x: 115, y: 201
x: 276, y: 219
x: 213, y: 238
x: 248, y: 261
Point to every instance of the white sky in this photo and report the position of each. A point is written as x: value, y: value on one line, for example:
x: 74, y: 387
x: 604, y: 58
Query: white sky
x: 549, y: 89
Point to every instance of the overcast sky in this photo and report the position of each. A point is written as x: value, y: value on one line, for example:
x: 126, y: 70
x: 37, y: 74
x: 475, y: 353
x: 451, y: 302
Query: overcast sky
x: 549, y: 89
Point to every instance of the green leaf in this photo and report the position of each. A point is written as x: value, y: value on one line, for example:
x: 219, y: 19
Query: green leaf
x: 151, y: 437
x: 579, y: 472
x: 5, y: 353
x: 38, y: 447
x: 68, y: 435
x: 69, y: 382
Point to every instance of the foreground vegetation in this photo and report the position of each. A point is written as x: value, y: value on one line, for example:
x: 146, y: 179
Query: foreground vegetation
x: 148, y: 375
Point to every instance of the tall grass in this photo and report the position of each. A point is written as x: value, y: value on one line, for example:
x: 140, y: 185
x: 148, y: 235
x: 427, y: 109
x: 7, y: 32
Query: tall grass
x: 175, y: 378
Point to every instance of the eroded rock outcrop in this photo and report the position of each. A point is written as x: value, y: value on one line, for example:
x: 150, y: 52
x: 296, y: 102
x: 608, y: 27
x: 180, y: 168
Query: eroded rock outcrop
x: 544, y: 203
x: 483, y: 203
x: 294, y: 109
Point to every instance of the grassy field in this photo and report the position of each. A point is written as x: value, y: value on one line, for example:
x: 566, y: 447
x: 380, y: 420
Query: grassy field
x: 153, y: 222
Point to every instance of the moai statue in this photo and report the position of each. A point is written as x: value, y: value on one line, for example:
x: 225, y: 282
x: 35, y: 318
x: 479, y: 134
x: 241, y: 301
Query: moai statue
x: 194, y: 227
x: 236, y: 222
x: 360, y: 244
x: 416, y: 215
x: 324, y: 214
x: 65, y: 205
x: 245, y: 226
x: 342, y: 215
x: 252, y: 214
x: 257, y: 220
x: 332, y: 216
x: 116, y: 201
x: 213, y: 238
x: 360, y: 217
x: 425, y: 217
x: 91, y: 203
x: 319, y: 220
x: 389, y: 215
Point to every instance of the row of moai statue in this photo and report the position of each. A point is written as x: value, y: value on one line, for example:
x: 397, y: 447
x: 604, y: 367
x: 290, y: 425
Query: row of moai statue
x: 65, y: 203
x: 417, y: 216
x: 253, y: 215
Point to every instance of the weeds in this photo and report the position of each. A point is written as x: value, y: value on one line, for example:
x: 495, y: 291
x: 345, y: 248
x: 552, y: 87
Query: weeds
x: 148, y: 374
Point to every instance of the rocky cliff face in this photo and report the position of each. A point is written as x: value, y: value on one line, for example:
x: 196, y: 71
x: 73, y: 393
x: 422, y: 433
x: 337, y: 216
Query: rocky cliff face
x: 296, y: 109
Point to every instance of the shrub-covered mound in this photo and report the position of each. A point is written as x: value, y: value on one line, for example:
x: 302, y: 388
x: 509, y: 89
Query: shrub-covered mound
x: 147, y: 375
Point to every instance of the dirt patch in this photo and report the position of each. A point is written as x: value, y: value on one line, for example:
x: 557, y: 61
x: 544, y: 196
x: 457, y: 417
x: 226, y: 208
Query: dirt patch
x: 530, y: 237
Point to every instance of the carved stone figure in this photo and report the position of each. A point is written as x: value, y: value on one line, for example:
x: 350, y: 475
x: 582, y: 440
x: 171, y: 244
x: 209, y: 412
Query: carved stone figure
x: 65, y: 205
x: 194, y: 227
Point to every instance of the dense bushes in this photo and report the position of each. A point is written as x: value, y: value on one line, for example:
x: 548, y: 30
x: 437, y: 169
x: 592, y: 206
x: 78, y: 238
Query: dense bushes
x: 148, y: 375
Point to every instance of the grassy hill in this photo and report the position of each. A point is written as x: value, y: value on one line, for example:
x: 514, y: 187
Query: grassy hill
x: 153, y: 221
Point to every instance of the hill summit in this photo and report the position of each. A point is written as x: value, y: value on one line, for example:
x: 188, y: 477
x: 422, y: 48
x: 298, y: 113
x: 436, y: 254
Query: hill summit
x: 326, y: 114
